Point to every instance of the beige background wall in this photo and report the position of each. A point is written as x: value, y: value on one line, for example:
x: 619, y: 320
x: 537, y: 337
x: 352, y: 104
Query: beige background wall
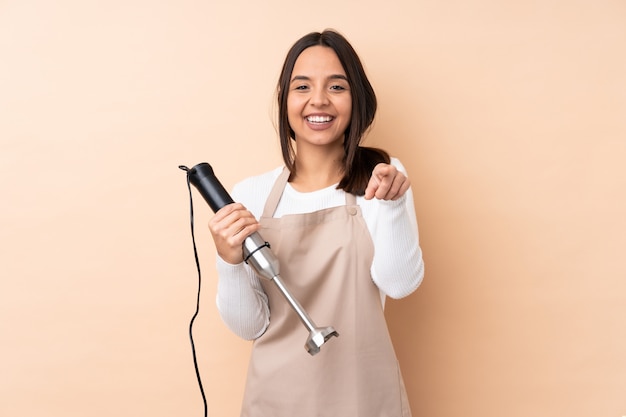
x: 510, y: 117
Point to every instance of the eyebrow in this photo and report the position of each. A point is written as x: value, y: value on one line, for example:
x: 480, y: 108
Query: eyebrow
x: 331, y: 77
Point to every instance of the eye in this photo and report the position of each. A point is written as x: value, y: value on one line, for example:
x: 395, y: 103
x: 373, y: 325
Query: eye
x: 301, y: 87
x: 337, y: 87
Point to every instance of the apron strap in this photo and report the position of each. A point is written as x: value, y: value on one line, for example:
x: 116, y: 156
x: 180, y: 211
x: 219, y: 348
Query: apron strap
x: 350, y: 199
x: 276, y: 193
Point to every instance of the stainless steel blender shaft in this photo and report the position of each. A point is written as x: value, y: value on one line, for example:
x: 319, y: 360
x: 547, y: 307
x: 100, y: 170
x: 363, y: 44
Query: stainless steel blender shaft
x: 257, y: 254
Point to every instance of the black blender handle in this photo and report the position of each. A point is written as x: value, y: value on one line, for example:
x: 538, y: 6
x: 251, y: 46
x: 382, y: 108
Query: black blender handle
x: 203, y: 178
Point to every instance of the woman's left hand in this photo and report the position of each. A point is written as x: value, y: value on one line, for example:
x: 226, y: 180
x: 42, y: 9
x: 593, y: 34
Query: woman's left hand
x: 386, y: 183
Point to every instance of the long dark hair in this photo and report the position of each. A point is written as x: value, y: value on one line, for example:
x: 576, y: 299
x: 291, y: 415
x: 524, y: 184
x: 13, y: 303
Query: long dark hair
x: 358, y: 161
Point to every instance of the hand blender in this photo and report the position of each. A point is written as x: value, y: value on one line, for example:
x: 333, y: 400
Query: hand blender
x: 257, y: 253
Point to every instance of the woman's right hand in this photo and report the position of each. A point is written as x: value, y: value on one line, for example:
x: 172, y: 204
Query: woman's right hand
x: 230, y: 226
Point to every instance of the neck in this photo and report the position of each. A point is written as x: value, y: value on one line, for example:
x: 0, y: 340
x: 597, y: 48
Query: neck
x: 317, y: 170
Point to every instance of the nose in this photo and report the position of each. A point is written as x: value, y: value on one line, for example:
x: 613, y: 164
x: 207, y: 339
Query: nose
x: 319, y: 97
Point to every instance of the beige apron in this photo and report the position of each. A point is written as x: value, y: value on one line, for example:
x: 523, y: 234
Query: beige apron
x: 325, y: 259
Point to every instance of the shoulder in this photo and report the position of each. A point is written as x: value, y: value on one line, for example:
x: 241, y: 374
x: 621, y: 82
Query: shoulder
x: 253, y: 191
x: 267, y: 178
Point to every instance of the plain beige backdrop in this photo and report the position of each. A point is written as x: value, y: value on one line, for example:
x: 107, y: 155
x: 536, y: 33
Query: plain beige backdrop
x: 509, y: 116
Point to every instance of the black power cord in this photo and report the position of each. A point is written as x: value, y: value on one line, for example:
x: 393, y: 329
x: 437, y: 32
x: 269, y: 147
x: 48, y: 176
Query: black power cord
x: 195, y: 253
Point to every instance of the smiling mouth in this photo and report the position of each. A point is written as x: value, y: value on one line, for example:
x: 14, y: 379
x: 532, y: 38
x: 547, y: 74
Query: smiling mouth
x: 319, y: 119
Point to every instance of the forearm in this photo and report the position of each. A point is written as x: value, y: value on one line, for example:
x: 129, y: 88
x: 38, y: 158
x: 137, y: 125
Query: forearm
x: 241, y: 301
x: 398, y: 267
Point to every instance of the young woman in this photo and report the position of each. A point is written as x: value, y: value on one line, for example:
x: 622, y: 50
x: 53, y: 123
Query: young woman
x: 340, y: 218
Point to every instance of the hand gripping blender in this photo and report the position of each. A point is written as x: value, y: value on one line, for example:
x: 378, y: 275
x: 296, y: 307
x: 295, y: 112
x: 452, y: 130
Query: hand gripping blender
x: 257, y: 253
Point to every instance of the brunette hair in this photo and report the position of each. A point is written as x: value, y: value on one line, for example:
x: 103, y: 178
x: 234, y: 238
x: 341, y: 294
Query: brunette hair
x: 358, y: 161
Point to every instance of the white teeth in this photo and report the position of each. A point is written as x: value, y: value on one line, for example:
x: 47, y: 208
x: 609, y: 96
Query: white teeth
x: 319, y: 119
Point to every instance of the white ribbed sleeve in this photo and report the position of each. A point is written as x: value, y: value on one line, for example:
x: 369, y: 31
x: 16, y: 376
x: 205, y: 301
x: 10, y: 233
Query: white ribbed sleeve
x: 397, y: 268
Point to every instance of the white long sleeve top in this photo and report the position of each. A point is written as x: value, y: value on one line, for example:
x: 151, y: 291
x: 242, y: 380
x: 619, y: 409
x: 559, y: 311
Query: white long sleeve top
x: 397, y: 268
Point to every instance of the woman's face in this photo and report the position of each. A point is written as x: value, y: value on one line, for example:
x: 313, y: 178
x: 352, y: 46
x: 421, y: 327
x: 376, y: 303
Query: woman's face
x: 319, y: 102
